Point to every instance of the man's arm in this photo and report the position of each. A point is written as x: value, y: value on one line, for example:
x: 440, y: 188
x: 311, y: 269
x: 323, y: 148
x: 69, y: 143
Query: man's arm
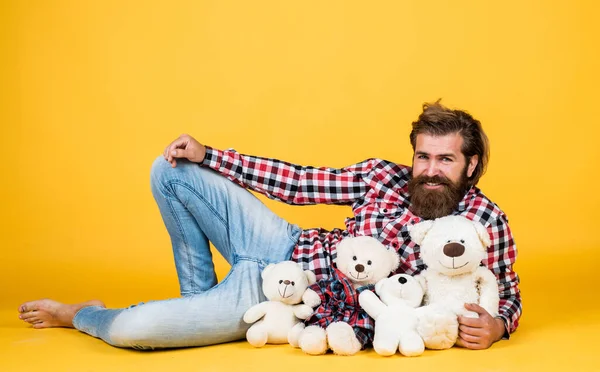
x: 289, y: 183
x: 482, y: 332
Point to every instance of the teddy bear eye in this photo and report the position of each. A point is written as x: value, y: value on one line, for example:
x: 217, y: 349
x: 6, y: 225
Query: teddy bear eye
x: 281, y: 281
x: 369, y: 262
x: 462, y: 241
x: 354, y: 258
x: 447, y: 241
x: 293, y: 283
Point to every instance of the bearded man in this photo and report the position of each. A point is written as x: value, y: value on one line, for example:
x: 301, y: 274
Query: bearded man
x: 202, y: 196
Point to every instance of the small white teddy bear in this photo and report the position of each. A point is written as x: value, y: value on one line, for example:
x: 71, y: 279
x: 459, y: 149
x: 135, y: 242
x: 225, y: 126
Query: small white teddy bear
x: 452, y: 247
x: 339, y: 323
x: 283, y: 284
x: 395, y: 315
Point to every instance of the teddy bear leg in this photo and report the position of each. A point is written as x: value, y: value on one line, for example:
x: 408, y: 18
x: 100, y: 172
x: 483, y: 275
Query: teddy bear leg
x: 342, y: 340
x: 411, y: 344
x: 294, y: 334
x: 385, y: 342
x: 257, y: 335
x: 437, y: 328
x: 313, y: 340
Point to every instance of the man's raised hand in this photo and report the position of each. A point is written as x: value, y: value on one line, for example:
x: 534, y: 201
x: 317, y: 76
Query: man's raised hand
x: 185, y: 146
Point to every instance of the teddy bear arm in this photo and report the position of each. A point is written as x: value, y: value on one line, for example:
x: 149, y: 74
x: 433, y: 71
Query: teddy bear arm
x: 302, y: 311
x: 488, y: 291
x: 371, y: 304
x: 256, y: 312
x: 311, y: 298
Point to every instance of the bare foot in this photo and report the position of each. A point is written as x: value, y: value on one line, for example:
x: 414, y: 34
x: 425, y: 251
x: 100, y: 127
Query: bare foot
x: 49, y: 313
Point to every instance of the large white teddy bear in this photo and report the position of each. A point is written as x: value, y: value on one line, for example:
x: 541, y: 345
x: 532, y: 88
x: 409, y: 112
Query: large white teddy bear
x: 452, y: 247
x: 395, y: 316
x: 339, y: 323
x: 283, y: 284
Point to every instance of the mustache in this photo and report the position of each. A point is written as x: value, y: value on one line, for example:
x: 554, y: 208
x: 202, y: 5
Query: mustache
x: 434, y: 179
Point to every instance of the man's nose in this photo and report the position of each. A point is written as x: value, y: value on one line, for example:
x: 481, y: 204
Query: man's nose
x: 432, y: 169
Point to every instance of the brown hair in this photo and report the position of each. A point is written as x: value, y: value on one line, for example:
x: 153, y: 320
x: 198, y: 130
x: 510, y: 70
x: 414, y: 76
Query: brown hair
x: 438, y: 120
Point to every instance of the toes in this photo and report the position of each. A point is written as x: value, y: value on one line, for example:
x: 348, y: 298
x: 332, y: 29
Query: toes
x: 28, y: 315
x: 28, y: 306
x: 40, y: 325
x: 33, y: 320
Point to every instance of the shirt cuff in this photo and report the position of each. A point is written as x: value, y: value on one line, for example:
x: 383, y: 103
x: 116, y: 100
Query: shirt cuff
x: 213, y: 158
x: 506, y: 335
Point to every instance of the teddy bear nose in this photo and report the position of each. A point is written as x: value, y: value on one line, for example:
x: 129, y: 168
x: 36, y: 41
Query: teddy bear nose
x: 360, y: 268
x: 402, y: 280
x: 286, y: 282
x: 454, y: 250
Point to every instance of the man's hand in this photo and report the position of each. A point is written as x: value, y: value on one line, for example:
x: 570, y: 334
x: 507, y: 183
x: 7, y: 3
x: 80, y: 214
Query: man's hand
x: 184, y: 147
x: 479, y: 333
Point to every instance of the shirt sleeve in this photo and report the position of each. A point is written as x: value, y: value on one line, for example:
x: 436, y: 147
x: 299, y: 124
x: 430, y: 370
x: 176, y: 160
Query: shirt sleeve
x: 501, y: 258
x: 289, y: 183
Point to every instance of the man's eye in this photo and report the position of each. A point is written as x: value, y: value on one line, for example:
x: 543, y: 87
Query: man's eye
x: 424, y: 157
x: 447, y: 160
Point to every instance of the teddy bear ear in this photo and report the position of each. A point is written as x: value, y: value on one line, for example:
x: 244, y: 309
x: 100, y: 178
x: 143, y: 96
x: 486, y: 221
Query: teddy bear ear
x: 417, y: 232
x: 312, y: 278
x: 484, y: 236
x: 266, y: 270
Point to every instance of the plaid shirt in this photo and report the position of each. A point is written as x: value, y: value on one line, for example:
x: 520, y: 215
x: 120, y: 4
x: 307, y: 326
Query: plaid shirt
x: 377, y: 191
x: 339, y: 303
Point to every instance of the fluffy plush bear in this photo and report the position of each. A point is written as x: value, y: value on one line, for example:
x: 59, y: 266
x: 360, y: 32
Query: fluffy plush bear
x: 283, y: 284
x: 452, y: 247
x: 339, y: 323
x: 395, y: 315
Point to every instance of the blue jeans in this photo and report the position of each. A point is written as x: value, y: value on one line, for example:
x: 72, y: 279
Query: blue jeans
x: 197, y: 206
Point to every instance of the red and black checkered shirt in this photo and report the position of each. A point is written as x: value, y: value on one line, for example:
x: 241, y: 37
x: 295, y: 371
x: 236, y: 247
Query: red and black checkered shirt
x: 377, y: 191
x: 339, y: 303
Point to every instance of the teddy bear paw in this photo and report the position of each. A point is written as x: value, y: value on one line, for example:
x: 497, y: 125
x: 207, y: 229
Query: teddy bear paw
x: 342, y: 339
x: 313, y: 340
x: 439, y: 330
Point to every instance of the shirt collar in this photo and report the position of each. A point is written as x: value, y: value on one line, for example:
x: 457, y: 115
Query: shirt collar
x: 470, y: 195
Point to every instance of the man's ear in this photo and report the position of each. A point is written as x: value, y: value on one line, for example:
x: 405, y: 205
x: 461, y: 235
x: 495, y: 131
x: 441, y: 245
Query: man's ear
x: 483, y: 234
x: 417, y: 232
x: 312, y: 278
x: 473, y: 161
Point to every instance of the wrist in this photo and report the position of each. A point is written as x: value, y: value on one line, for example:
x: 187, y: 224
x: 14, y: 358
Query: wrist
x: 500, y: 329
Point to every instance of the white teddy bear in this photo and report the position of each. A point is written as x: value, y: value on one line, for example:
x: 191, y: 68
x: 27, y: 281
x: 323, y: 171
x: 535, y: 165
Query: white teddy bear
x: 395, y: 315
x: 452, y: 247
x: 283, y: 284
x: 339, y: 323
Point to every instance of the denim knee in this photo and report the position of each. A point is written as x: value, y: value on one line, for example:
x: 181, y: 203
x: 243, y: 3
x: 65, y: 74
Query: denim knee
x: 135, y: 333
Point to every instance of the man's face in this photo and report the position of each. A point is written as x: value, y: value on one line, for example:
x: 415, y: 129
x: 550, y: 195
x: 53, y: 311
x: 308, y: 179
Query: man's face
x: 440, y: 175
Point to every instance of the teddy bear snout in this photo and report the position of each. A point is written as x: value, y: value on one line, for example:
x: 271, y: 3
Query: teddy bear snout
x: 454, y: 249
x: 360, y: 268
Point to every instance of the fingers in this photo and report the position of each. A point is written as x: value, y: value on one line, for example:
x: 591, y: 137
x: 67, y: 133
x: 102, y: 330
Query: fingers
x: 469, y: 345
x: 181, y: 142
x: 184, y: 147
x: 476, y: 309
x: 471, y: 322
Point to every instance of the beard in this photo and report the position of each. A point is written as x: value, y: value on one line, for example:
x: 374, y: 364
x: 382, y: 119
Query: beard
x: 431, y: 204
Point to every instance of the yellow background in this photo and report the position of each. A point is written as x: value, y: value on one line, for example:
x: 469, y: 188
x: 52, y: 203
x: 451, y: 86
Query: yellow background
x: 92, y: 91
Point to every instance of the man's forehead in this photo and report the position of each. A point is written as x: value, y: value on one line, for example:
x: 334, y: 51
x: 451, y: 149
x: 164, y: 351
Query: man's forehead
x: 435, y: 145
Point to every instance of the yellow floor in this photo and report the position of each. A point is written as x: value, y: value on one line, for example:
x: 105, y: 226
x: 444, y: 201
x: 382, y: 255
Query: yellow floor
x: 559, y: 331
x: 535, y: 347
